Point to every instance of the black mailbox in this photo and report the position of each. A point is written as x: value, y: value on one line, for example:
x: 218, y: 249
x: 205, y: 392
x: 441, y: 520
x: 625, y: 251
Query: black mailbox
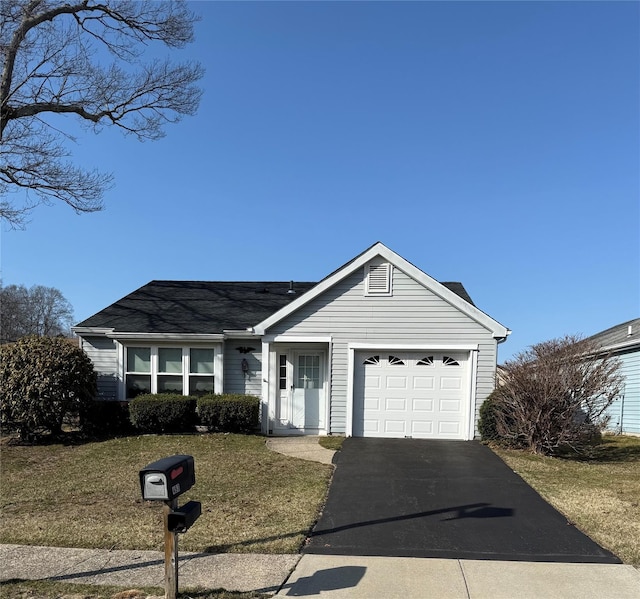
x: 180, y: 520
x: 167, y: 478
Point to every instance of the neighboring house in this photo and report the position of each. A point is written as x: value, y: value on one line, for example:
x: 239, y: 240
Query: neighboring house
x: 623, y: 342
x: 377, y: 348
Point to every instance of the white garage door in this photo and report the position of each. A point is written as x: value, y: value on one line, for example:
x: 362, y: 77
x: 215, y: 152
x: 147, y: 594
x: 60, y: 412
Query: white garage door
x: 423, y: 395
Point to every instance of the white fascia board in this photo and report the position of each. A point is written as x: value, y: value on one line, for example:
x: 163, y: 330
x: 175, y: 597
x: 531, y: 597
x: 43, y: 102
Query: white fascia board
x: 240, y: 334
x: 166, y: 336
x: 87, y: 331
x: 415, y: 346
x: 298, y: 339
x: 379, y: 249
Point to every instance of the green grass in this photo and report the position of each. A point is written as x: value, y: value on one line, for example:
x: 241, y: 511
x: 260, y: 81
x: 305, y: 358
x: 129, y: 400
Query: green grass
x: 253, y: 499
x: 331, y: 442
x: 599, y: 494
x: 38, y: 589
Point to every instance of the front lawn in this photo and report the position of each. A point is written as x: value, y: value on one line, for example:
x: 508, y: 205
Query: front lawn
x: 253, y: 499
x: 600, y: 495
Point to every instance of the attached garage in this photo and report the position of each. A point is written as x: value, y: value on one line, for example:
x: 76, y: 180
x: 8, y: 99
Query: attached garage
x: 422, y: 394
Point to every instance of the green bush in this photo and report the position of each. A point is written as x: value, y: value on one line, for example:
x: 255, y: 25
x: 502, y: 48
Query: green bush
x: 163, y: 413
x: 229, y: 413
x: 43, y: 380
x: 487, y: 421
x: 105, y: 418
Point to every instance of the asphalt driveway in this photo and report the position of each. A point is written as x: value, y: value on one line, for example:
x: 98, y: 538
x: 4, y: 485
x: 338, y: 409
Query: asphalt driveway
x: 446, y: 499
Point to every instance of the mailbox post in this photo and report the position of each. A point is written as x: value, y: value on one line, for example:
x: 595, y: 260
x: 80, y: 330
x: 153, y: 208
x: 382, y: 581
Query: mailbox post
x: 165, y: 480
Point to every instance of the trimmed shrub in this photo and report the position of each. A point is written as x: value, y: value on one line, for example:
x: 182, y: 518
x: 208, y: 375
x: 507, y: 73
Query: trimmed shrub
x: 487, y: 421
x: 229, y: 413
x: 105, y: 418
x: 163, y: 413
x: 43, y: 380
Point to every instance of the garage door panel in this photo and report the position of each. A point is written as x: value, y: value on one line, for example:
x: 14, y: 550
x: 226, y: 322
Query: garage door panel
x: 450, y: 405
x: 395, y: 427
x: 424, y: 383
x: 449, y: 428
x: 372, y: 381
x: 396, y: 382
x: 415, y: 394
x: 371, y: 426
x: 450, y: 382
x: 420, y: 427
x: 397, y: 404
x: 423, y: 405
x: 372, y: 404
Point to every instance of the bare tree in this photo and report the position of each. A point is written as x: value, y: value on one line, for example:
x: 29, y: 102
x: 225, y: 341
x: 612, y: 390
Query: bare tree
x: 52, y: 68
x: 555, y: 395
x: 39, y: 310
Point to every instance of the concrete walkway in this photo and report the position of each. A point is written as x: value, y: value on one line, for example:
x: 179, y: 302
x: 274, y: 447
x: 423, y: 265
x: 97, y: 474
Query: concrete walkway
x: 303, y: 447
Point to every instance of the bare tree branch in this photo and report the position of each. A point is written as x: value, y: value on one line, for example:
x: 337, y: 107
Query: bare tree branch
x: 51, y: 66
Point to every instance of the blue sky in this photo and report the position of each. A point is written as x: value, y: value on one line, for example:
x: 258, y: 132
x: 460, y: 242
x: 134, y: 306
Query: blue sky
x: 493, y: 143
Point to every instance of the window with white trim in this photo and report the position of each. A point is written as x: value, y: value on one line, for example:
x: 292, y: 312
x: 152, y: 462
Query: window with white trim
x: 181, y: 370
x: 378, y: 279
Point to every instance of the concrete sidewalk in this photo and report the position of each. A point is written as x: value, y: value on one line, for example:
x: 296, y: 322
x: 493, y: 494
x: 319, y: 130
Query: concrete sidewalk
x: 332, y: 577
x: 350, y: 577
x: 134, y: 569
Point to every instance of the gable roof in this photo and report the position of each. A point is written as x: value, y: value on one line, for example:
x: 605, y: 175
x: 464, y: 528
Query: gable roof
x: 194, y: 307
x: 621, y: 336
x: 447, y: 293
x: 214, y: 308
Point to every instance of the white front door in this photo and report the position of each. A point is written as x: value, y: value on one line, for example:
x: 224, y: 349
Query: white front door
x: 301, y: 402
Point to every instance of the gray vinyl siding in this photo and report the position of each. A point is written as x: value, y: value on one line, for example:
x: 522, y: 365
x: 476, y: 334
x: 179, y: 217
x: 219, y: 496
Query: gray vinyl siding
x: 104, y: 355
x: 235, y: 381
x: 625, y: 411
x: 411, y: 315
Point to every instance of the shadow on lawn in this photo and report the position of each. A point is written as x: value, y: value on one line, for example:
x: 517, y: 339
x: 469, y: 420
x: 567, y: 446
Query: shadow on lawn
x: 612, y: 449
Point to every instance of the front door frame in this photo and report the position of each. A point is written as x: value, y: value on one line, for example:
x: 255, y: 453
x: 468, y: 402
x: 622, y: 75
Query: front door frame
x: 293, y: 346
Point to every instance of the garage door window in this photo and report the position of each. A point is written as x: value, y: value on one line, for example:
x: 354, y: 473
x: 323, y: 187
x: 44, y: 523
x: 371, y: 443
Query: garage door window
x: 447, y: 361
x: 394, y: 361
x: 372, y: 360
x: 426, y: 361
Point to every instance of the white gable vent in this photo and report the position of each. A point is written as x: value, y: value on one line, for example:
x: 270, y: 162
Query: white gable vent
x: 379, y: 279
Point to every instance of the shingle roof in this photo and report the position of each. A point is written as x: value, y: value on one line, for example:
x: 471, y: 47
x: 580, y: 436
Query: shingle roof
x: 619, y: 334
x: 195, y: 306
x: 203, y: 307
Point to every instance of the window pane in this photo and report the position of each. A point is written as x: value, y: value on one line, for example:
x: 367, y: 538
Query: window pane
x: 139, y: 359
x: 200, y: 385
x: 170, y: 359
x: 138, y: 384
x: 201, y: 361
x: 309, y: 372
x: 170, y: 384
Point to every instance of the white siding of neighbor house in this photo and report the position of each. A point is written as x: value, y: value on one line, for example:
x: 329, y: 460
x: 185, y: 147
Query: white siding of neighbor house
x: 411, y: 315
x: 625, y: 411
x: 104, y: 355
x: 235, y: 381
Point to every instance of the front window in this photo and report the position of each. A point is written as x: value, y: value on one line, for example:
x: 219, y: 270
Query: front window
x: 201, y: 371
x: 180, y: 370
